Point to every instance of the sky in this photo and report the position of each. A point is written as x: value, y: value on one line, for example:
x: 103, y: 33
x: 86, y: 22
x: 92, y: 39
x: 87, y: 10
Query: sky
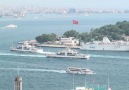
x: 99, y: 4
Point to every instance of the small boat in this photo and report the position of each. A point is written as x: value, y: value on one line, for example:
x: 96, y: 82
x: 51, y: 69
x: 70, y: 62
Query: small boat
x: 69, y: 53
x: 11, y: 26
x: 75, y: 70
x: 28, y: 48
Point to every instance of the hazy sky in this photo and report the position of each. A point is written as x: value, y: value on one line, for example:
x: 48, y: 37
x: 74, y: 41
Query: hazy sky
x: 115, y: 4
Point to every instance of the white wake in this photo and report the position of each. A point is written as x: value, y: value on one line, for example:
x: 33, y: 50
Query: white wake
x: 35, y: 70
x: 20, y: 55
x: 109, y: 56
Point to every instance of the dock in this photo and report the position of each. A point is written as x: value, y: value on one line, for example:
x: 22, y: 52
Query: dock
x: 57, y: 46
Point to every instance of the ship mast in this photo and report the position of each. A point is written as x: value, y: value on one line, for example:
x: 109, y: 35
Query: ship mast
x: 108, y: 84
x: 73, y: 81
x: 85, y: 82
x: 18, y: 72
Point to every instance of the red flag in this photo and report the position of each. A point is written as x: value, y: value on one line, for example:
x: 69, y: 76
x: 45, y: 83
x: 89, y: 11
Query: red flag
x: 75, y: 22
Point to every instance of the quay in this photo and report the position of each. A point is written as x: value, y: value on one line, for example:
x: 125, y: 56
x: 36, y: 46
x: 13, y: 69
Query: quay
x: 57, y: 46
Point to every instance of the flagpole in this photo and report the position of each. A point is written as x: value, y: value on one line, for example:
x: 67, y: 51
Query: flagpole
x: 73, y: 25
x: 108, y: 83
x: 74, y: 22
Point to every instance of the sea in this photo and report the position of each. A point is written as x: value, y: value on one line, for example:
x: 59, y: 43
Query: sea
x: 41, y: 73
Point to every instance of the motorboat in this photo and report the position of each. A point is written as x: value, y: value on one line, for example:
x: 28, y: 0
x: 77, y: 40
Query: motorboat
x: 69, y: 53
x: 75, y: 70
x: 11, y: 26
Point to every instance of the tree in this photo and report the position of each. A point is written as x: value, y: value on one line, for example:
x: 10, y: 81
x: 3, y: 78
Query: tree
x: 85, y: 37
x: 114, y: 32
x: 53, y: 37
x: 46, y: 37
x: 71, y: 33
x: 39, y: 39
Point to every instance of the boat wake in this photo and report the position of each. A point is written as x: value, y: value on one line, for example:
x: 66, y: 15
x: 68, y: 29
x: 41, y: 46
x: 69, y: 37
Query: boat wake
x: 21, y: 55
x: 35, y: 70
x: 107, y: 56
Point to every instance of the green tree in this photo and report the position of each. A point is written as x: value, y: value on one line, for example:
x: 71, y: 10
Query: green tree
x: 53, y: 37
x: 85, y: 37
x: 113, y: 32
x: 71, y: 33
x: 46, y: 37
x: 39, y: 39
x: 124, y: 26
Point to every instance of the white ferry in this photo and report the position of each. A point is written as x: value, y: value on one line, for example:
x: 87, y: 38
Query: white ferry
x: 106, y: 44
x: 69, y: 53
x: 28, y: 48
x: 75, y: 70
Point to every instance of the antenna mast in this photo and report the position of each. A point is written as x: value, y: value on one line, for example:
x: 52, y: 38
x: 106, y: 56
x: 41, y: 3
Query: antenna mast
x: 18, y: 71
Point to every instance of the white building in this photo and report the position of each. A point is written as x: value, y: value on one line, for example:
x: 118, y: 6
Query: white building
x: 126, y: 38
x: 69, y: 41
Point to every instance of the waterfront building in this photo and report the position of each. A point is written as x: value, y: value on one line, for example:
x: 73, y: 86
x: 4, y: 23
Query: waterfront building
x: 126, y: 38
x: 70, y: 41
x: 18, y: 83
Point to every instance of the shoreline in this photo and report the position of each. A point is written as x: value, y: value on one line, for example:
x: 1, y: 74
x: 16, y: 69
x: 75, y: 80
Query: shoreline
x: 57, y: 46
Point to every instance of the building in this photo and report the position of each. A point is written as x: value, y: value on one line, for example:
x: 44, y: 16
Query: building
x: 70, y: 41
x: 18, y: 83
x: 126, y: 38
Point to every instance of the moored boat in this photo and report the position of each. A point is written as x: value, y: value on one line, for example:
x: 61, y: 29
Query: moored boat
x: 106, y: 44
x: 25, y: 47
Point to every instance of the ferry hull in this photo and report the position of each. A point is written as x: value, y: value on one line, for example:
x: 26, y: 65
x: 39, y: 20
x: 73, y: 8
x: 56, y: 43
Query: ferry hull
x: 105, y: 47
x: 32, y: 51
x: 17, y: 50
x: 73, y: 70
x: 71, y: 57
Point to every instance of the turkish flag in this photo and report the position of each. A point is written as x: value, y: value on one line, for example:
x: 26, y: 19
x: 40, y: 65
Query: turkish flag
x: 75, y: 22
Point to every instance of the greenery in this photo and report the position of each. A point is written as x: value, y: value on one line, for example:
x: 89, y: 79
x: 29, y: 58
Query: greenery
x: 71, y: 33
x: 113, y: 32
x: 85, y: 37
x: 46, y: 37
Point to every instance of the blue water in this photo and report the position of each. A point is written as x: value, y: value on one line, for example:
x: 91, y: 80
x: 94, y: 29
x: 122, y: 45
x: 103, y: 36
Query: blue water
x: 39, y: 72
